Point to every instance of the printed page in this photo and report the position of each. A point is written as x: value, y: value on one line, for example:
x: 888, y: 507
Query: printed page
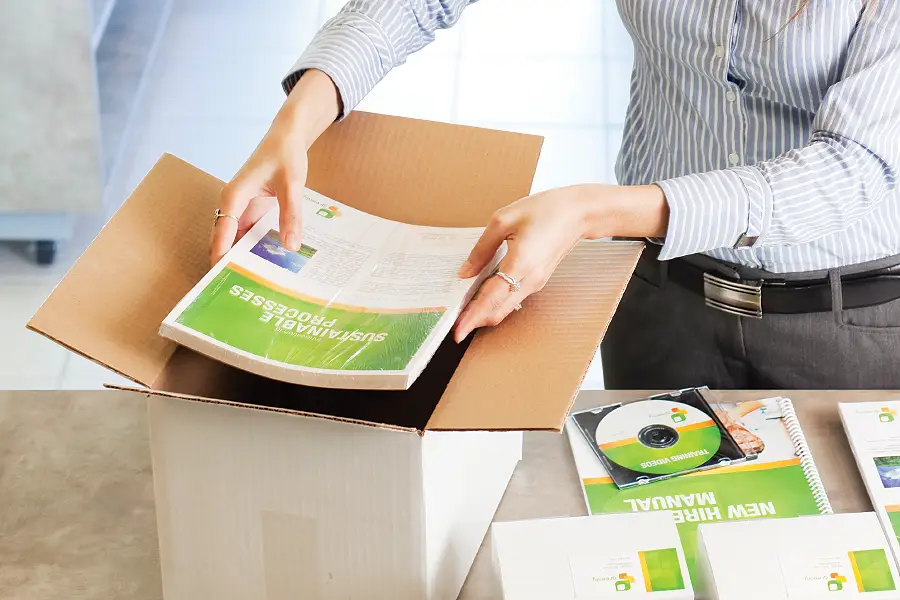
x: 874, y: 433
x: 363, y: 294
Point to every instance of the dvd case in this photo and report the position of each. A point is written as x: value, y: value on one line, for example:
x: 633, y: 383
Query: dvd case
x: 659, y: 437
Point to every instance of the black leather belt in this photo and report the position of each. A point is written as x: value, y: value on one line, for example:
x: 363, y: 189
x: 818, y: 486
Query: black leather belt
x: 754, y: 298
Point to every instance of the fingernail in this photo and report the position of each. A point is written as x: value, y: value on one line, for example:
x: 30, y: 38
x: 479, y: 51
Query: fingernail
x: 464, y: 270
x: 292, y: 243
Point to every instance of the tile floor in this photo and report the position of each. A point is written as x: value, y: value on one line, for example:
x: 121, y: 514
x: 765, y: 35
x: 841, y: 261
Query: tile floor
x: 557, y: 69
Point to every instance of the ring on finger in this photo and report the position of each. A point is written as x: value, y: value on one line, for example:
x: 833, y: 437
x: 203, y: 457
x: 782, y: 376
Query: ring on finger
x: 514, y: 284
x: 220, y: 215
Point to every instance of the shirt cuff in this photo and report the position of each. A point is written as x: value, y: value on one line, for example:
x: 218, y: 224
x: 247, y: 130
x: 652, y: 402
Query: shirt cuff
x: 721, y: 209
x: 353, y: 51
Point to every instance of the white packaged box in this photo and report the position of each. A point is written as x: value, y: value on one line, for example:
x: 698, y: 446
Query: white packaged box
x: 307, y: 508
x: 591, y: 557
x: 827, y: 557
x: 266, y: 490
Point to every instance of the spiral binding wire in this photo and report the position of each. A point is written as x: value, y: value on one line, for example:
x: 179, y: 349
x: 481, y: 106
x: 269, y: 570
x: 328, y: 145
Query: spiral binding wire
x: 810, y: 471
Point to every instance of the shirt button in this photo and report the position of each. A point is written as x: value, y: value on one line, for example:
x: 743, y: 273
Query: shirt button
x: 733, y: 158
x: 730, y: 96
x: 720, y: 51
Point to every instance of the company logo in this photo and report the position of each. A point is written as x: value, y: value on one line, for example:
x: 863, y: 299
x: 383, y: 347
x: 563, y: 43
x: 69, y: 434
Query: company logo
x: 886, y: 415
x: 836, y: 582
x: 623, y: 583
x: 329, y: 212
x: 679, y: 415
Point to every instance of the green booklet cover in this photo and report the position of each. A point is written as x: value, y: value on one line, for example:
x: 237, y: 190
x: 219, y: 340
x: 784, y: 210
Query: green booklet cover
x: 363, y: 304
x: 781, y: 482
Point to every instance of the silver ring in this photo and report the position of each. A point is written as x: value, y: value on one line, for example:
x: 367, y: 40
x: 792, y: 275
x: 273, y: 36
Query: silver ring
x: 220, y: 214
x: 514, y: 284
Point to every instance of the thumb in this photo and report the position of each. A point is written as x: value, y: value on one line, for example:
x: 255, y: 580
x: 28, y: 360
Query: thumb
x: 494, y: 235
x: 233, y: 200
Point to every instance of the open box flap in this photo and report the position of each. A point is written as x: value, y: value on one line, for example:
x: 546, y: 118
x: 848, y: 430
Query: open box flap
x: 156, y: 247
x: 422, y: 172
x: 525, y: 373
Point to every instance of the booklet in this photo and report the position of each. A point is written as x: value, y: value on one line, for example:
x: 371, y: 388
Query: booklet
x: 782, y: 482
x: 873, y: 429
x: 573, y: 558
x: 364, y: 303
x: 807, y: 558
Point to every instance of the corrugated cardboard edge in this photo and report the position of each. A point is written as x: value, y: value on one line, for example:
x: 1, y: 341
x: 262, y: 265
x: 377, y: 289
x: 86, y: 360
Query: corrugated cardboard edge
x: 615, y: 308
x: 520, y: 408
x: 73, y: 350
x: 148, y: 255
x: 149, y: 393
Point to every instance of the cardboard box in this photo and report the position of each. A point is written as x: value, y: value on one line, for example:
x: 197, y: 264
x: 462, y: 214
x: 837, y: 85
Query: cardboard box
x: 823, y: 556
x: 267, y: 490
x: 591, y: 557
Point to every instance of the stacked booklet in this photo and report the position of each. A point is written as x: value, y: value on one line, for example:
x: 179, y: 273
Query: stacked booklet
x: 810, y: 558
x: 610, y: 556
x: 364, y: 303
x: 874, y: 433
x: 782, y: 481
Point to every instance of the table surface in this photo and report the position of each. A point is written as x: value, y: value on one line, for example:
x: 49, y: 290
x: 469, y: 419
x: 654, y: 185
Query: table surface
x: 546, y: 483
x: 77, y: 492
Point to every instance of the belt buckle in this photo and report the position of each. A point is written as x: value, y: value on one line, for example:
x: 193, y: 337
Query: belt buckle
x: 741, y: 299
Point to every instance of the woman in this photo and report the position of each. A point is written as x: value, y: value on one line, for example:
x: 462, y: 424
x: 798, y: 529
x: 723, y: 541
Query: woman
x: 760, y: 157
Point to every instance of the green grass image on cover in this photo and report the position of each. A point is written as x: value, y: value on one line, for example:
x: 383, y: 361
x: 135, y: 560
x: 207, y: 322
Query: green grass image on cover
x: 661, y: 570
x: 872, y: 571
x: 355, y: 341
x: 893, y: 513
x: 709, y: 497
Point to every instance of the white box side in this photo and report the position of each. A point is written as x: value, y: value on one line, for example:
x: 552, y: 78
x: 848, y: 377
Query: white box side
x: 465, y: 477
x: 262, y: 505
x: 535, y: 557
x: 705, y: 584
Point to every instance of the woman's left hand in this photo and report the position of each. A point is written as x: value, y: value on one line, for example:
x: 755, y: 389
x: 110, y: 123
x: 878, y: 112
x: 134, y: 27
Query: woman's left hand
x: 541, y: 230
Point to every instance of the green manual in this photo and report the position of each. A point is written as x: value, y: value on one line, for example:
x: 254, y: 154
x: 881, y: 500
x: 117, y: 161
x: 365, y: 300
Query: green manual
x: 781, y: 482
x: 363, y: 304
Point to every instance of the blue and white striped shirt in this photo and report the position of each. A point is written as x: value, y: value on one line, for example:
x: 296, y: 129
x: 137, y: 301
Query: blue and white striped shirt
x: 777, y: 145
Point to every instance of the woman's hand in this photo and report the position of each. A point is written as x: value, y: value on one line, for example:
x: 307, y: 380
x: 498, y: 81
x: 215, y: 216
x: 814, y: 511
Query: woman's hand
x: 541, y: 230
x: 276, y: 171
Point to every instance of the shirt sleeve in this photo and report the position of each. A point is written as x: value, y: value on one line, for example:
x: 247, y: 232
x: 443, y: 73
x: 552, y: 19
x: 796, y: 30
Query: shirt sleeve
x: 368, y: 38
x: 848, y: 167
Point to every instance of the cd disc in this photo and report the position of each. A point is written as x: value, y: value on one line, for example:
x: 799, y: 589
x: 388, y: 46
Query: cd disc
x: 658, y: 437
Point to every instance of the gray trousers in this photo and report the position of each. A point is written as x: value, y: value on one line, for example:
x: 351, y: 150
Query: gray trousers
x: 664, y: 337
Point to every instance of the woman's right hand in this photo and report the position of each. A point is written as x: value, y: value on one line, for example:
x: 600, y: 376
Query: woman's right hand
x: 276, y: 171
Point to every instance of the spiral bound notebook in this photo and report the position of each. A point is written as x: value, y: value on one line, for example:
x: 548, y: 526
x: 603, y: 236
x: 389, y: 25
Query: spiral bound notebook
x: 782, y: 482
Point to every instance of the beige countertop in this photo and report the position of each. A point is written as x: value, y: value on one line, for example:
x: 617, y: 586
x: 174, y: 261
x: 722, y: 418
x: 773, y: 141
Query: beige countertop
x: 77, y: 507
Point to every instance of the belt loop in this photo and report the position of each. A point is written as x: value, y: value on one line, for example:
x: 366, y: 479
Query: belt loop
x: 837, y: 296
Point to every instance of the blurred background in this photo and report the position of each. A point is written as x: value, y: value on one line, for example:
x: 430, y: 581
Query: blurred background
x: 92, y: 92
